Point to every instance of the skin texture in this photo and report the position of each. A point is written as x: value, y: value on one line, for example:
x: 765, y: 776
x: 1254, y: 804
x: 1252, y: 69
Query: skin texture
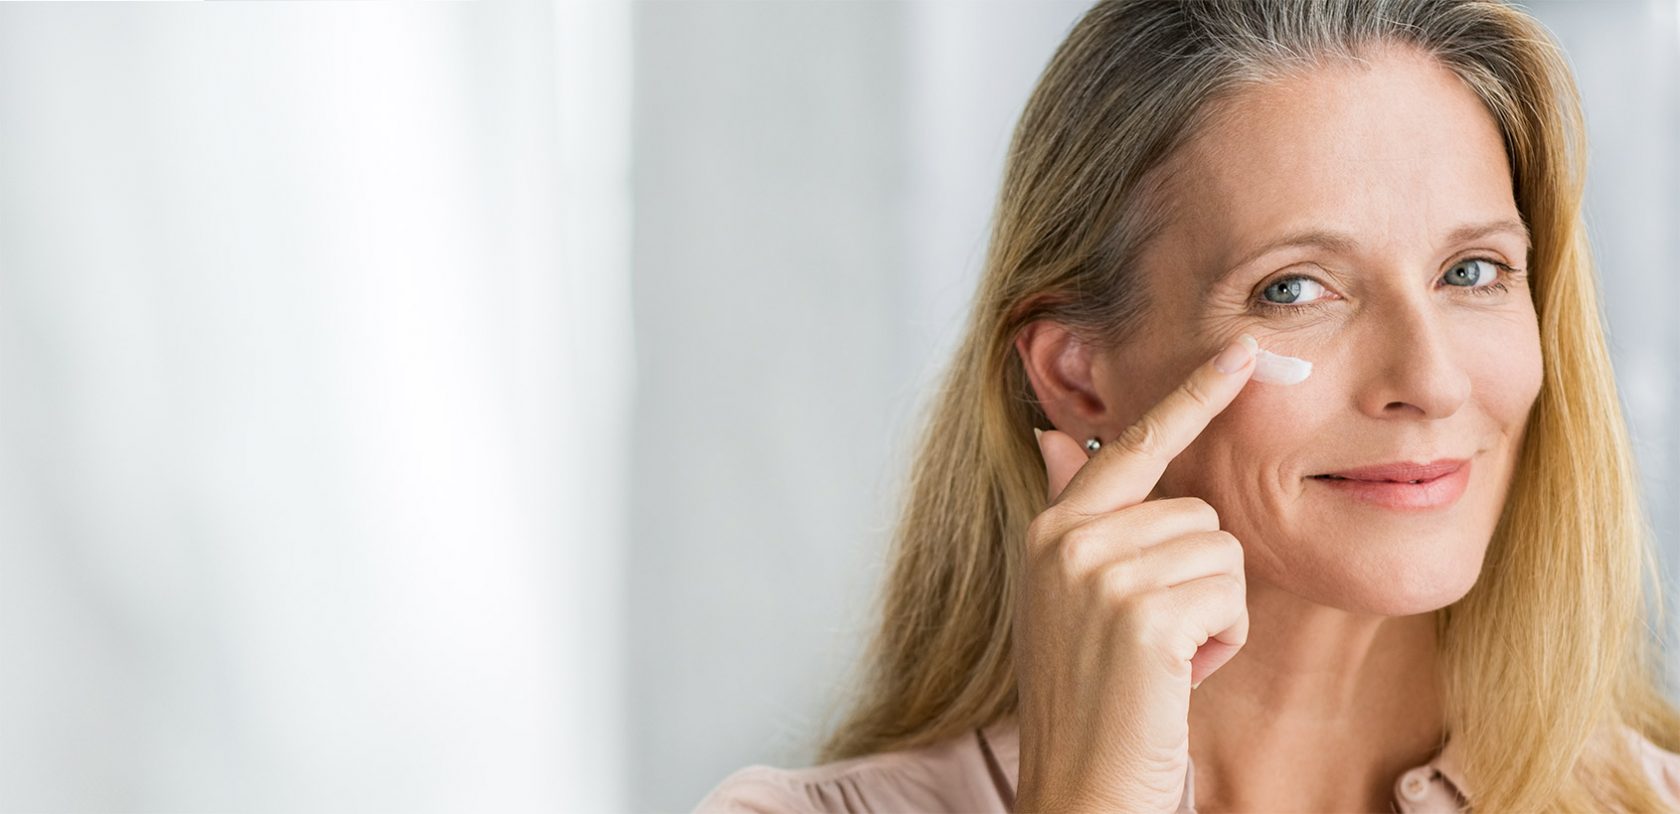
x: 1334, y: 694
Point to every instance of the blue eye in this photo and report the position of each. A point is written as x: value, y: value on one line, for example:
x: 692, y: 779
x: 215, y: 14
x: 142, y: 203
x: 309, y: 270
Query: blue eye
x: 1296, y: 294
x: 1291, y: 290
x: 1465, y: 273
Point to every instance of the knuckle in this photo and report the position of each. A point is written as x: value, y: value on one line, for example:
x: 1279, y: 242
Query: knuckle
x: 1207, y: 517
x: 1234, y: 583
x: 1195, y: 388
x: 1238, y: 631
x: 1231, y: 547
x: 1239, y: 637
x: 1043, y: 530
x: 1074, y: 550
x: 1119, y: 585
x: 1143, y: 437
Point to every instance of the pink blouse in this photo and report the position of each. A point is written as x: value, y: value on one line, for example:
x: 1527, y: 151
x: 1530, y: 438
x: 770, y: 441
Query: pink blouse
x: 976, y: 772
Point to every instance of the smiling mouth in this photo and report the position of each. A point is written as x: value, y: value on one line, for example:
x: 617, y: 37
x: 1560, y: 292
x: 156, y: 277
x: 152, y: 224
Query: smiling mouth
x: 1401, y: 485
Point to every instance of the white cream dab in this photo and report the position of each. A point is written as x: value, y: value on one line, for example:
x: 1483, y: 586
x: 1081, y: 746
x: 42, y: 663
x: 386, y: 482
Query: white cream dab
x: 1279, y: 369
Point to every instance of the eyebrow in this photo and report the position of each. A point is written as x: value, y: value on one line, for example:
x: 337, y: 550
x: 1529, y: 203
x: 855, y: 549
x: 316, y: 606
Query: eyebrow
x: 1342, y: 243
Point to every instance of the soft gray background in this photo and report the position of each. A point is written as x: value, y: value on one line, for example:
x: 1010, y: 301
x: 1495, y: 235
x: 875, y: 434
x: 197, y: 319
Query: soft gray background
x: 498, y: 405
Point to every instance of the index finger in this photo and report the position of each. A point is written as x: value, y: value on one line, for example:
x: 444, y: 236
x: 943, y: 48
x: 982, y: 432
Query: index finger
x: 1126, y: 469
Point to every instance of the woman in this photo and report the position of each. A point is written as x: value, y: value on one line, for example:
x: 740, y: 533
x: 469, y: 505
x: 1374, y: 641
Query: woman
x: 1417, y: 573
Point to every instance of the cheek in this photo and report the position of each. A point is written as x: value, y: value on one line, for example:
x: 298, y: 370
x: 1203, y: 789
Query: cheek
x: 1252, y: 458
x: 1506, y: 376
x: 1252, y: 455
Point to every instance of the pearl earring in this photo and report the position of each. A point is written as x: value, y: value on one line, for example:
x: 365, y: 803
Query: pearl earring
x: 1092, y: 444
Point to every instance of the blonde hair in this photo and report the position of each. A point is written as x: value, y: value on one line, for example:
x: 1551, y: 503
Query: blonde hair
x: 1549, y: 647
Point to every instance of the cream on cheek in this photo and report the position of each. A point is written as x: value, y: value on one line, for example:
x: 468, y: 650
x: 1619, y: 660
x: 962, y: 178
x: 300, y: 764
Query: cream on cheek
x: 1276, y: 368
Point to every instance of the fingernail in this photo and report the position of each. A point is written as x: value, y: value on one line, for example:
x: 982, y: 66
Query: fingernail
x: 1236, y: 355
x: 1195, y: 685
x: 1039, y: 434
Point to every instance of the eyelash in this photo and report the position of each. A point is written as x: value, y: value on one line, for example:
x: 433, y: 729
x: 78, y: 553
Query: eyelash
x: 1506, y: 273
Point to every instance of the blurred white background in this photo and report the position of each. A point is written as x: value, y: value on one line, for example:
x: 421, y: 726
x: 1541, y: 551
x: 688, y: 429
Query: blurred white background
x: 500, y: 405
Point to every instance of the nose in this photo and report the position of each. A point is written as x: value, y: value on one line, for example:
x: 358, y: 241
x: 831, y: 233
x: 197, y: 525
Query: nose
x: 1415, y: 363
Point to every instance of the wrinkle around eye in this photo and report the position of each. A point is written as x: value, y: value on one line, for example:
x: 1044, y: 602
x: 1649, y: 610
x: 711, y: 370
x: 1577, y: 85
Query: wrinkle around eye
x: 1218, y: 326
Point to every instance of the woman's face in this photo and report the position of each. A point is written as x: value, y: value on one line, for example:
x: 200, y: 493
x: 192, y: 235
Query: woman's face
x: 1418, y: 353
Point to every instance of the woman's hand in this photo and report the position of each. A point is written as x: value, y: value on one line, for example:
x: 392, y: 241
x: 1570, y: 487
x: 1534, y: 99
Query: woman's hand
x: 1127, y: 603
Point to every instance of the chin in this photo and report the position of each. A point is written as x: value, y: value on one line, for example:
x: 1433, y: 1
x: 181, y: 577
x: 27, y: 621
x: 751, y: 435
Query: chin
x: 1393, y: 603
x: 1402, y: 584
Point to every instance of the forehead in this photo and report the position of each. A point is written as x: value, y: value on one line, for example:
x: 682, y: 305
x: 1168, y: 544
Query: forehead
x: 1395, y: 154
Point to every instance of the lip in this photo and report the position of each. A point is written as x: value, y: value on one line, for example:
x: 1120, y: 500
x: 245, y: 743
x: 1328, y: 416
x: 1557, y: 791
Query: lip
x: 1440, y: 483
x: 1402, y: 471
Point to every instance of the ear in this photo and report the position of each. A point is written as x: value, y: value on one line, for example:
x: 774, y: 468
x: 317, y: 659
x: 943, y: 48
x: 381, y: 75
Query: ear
x: 1063, y: 371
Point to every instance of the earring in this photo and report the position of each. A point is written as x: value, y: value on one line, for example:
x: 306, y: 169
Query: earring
x: 1092, y: 444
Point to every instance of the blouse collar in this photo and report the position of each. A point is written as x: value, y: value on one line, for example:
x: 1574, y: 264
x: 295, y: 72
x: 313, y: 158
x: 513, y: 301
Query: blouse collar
x: 1002, y: 739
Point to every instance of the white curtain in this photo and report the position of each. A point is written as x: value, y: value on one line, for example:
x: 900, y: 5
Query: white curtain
x: 315, y: 366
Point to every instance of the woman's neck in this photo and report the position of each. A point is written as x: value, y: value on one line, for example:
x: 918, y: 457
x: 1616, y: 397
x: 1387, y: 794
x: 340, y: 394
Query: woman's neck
x: 1322, y: 709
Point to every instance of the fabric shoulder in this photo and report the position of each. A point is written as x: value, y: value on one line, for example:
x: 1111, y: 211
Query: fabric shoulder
x: 755, y: 789
x: 951, y: 775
